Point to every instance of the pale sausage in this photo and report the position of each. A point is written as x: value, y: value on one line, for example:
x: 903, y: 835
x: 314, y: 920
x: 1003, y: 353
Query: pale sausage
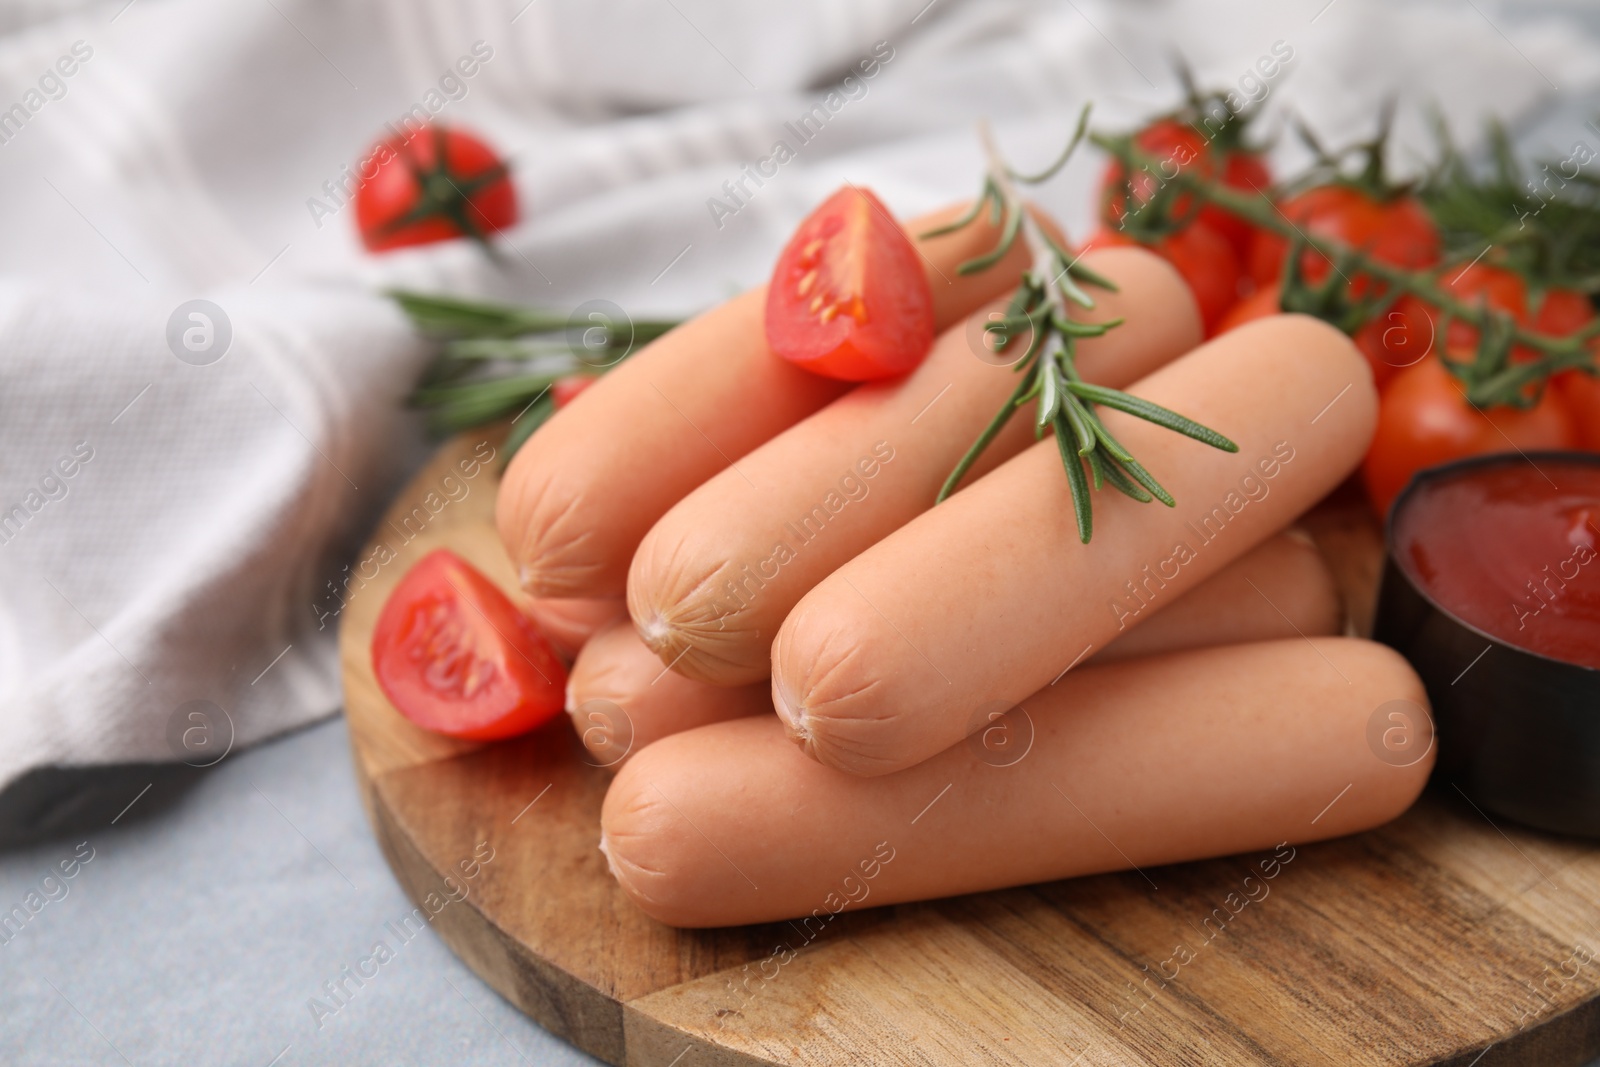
x: 1251, y: 749
x: 990, y: 595
x: 621, y: 698
x: 714, y: 578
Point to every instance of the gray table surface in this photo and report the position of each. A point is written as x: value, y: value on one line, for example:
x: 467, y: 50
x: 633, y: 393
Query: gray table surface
x: 211, y: 914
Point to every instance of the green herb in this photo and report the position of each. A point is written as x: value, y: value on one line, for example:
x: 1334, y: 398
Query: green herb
x: 1066, y: 404
x: 499, y: 360
x: 1551, y: 238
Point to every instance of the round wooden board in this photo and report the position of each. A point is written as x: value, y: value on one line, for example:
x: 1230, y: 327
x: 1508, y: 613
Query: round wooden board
x: 1441, y: 938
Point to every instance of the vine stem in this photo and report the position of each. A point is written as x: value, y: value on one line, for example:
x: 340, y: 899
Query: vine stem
x: 1561, y: 353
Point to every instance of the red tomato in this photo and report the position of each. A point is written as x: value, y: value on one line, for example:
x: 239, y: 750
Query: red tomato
x: 1204, y: 259
x: 1479, y: 284
x: 1580, y: 395
x: 433, y: 185
x: 1246, y: 172
x: 1424, y: 420
x: 1564, y: 311
x: 565, y: 390
x: 1396, y: 339
x: 849, y: 298
x: 1396, y: 231
x: 1258, y: 305
x: 1176, y: 146
x: 455, y: 656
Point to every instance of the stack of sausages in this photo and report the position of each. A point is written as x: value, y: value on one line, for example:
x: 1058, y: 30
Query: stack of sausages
x: 966, y: 696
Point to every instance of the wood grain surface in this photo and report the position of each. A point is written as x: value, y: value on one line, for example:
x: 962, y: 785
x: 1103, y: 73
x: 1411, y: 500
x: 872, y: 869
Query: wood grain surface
x: 1442, y: 938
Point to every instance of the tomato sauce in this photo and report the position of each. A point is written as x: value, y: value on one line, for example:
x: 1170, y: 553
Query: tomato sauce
x: 1513, y: 550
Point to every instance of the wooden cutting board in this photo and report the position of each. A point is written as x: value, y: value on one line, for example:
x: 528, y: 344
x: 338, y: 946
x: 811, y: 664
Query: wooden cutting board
x: 1439, y: 939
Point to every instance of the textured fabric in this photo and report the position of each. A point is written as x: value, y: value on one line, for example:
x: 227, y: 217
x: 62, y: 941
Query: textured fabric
x: 166, y: 151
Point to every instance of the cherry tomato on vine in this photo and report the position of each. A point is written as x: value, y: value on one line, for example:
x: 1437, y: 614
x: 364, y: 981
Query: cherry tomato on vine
x: 1204, y: 259
x: 1484, y: 285
x: 1562, y: 311
x: 1565, y: 311
x: 1258, y: 305
x: 1397, y: 338
x: 455, y: 656
x: 1424, y: 420
x: 1396, y: 231
x: 1580, y: 394
x: 1246, y: 172
x: 1176, y: 146
x: 849, y: 298
x: 433, y: 185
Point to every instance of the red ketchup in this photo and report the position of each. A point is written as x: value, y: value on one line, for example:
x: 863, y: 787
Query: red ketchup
x: 1514, y: 551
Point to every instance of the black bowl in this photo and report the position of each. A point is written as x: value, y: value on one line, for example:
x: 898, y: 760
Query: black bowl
x: 1518, y: 732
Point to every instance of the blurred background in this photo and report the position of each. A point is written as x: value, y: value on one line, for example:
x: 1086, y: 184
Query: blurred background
x: 159, y: 153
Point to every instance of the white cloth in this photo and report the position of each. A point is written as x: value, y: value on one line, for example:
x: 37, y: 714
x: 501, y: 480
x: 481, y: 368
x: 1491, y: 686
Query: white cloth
x: 209, y: 505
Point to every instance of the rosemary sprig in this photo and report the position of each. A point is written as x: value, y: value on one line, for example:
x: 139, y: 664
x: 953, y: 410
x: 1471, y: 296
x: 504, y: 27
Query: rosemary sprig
x: 455, y: 317
x: 1491, y: 378
x: 498, y: 360
x: 1066, y: 404
x: 1551, y: 239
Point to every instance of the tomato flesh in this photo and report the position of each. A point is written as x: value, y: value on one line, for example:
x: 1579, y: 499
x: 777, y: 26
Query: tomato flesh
x: 455, y: 656
x: 849, y: 298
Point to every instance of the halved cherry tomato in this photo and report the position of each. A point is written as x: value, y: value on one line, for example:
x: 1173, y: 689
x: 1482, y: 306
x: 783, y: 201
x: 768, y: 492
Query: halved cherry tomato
x: 565, y: 390
x: 849, y: 298
x: 1424, y: 420
x: 1202, y: 256
x: 455, y: 656
x: 432, y: 185
x: 1397, y: 231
